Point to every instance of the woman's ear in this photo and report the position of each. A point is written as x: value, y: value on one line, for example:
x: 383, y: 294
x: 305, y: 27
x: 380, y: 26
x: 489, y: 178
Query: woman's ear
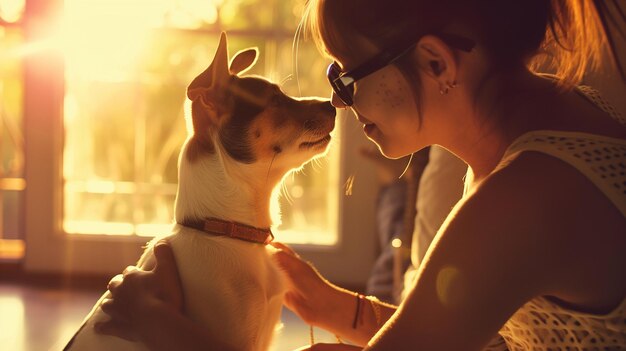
x: 437, y: 60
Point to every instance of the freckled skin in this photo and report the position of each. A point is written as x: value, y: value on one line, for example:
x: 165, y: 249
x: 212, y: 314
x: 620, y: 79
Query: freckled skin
x: 389, y: 96
x: 378, y: 95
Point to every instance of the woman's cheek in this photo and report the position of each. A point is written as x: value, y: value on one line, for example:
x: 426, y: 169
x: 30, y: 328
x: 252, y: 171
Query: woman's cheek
x: 387, y: 96
x: 392, y: 93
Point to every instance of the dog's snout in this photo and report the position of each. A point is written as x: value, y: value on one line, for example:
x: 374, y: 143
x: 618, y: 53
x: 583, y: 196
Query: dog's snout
x: 310, y: 124
x: 328, y: 107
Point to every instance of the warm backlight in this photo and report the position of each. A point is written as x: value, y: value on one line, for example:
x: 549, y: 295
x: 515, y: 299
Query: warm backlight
x: 127, y: 65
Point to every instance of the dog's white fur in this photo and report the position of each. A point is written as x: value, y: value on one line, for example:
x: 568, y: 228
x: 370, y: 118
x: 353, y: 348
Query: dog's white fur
x: 230, y: 286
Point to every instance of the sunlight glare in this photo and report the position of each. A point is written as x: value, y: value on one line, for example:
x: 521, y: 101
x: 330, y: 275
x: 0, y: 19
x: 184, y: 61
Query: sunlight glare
x: 11, y: 11
x: 192, y: 14
x: 98, y: 227
x: 450, y: 286
x: 396, y: 243
x: 103, y: 39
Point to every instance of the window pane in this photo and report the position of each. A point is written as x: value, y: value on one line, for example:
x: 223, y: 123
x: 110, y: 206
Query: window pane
x: 12, y: 182
x: 124, y: 118
x: 11, y: 214
x: 11, y: 91
x: 309, y: 209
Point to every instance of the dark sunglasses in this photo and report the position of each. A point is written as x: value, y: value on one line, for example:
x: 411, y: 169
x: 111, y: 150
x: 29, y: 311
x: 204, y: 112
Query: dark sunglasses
x: 343, y: 82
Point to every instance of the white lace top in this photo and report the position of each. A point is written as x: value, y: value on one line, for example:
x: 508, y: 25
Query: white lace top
x: 541, y: 324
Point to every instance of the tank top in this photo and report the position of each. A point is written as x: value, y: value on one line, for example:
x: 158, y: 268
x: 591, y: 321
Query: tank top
x: 544, y: 325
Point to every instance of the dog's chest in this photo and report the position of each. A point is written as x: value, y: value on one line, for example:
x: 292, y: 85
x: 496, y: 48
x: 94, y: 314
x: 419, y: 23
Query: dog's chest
x: 232, y: 286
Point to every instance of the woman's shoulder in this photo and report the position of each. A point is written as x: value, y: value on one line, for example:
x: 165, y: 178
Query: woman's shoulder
x: 580, y: 229
x: 544, y: 203
x: 529, y: 204
x: 536, y: 182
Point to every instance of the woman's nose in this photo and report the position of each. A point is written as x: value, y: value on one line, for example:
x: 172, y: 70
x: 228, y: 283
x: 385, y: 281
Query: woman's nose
x: 336, y: 101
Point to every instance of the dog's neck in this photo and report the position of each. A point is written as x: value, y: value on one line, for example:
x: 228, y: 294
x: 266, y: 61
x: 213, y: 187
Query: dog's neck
x: 213, y: 186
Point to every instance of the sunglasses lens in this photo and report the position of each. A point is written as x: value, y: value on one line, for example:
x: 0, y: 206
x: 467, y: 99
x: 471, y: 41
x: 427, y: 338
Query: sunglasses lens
x: 348, y: 95
x: 344, y: 92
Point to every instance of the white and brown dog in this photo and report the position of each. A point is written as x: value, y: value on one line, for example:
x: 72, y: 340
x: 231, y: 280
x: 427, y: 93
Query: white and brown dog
x: 247, y: 135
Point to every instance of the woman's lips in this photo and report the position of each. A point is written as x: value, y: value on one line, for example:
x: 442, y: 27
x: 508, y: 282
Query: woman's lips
x: 368, y: 126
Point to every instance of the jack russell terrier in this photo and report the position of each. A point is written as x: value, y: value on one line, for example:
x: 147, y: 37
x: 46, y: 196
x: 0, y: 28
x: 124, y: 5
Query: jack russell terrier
x: 247, y: 135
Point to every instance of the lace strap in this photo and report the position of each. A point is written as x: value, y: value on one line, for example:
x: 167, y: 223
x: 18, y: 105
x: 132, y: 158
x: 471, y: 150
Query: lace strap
x: 597, y: 99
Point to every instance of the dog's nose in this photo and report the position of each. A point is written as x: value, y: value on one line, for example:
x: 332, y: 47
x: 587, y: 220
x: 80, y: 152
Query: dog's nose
x: 328, y: 107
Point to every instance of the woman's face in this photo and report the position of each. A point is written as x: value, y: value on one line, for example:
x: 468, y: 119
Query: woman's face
x: 384, y: 102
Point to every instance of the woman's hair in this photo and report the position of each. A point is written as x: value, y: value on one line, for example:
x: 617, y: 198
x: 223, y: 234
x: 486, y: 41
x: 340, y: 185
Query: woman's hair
x: 564, y: 36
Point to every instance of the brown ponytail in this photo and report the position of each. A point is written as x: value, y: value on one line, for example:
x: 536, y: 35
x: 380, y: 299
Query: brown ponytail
x: 577, y: 37
x: 568, y: 36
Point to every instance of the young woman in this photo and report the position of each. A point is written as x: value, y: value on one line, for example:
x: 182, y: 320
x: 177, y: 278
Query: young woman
x: 532, y: 257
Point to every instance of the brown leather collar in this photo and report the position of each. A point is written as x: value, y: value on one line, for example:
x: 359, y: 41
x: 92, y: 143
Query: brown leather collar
x: 233, y: 230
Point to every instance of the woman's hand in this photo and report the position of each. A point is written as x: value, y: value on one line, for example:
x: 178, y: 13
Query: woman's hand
x: 147, y: 306
x: 307, y: 290
x: 137, y: 291
x: 330, y: 347
x: 317, y: 301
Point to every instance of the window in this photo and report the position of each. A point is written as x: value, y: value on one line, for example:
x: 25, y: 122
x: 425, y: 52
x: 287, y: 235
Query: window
x: 123, y: 108
x: 103, y: 83
x: 12, y: 181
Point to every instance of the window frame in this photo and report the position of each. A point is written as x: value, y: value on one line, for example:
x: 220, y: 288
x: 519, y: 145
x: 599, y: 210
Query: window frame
x: 12, y: 249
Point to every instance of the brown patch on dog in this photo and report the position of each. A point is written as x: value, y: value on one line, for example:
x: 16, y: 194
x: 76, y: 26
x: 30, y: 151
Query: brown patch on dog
x: 270, y: 138
x: 198, y: 146
x: 200, y: 143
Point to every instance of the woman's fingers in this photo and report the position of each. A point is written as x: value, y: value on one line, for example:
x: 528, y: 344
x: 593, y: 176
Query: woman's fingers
x: 129, y: 269
x: 165, y: 260
x: 166, y: 272
x: 136, y: 290
x: 163, y: 251
x: 284, y: 248
x: 115, y: 282
x: 119, y: 324
x: 114, y: 310
x: 115, y: 328
x: 290, y: 264
x: 304, y: 286
x: 294, y: 266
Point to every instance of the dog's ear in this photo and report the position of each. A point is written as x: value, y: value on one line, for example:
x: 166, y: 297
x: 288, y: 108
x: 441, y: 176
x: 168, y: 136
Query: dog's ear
x: 243, y: 60
x: 221, y: 74
x: 215, y: 77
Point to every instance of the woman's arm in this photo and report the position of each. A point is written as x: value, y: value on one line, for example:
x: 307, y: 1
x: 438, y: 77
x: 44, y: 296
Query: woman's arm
x: 147, y: 306
x: 508, y: 242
